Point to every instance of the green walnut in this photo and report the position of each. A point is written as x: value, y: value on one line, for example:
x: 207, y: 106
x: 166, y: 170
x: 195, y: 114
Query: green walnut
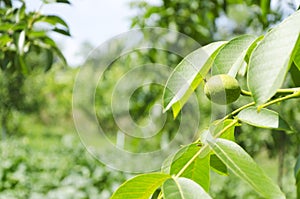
x: 222, y: 89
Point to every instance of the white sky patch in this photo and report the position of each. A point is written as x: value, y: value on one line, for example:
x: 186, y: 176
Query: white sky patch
x: 89, y: 20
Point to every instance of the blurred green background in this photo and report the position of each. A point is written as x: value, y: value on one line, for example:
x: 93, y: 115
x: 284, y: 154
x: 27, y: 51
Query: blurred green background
x: 41, y: 155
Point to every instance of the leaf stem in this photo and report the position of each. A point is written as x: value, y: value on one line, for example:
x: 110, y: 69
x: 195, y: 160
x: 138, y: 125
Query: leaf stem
x: 287, y: 90
x: 231, y: 124
x: 160, y: 196
x: 279, y: 91
x: 241, y: 108
x: 236, y: 111
x: 246, y: 93
x: 191, y: 160
x: 295, y: 94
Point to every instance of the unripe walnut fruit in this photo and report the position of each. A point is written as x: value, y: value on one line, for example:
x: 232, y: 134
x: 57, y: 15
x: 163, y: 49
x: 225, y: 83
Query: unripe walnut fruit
x: 222, y: 89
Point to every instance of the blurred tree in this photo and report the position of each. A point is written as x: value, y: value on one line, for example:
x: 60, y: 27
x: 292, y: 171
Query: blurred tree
x: 207, y: 20
x: 24, y: 47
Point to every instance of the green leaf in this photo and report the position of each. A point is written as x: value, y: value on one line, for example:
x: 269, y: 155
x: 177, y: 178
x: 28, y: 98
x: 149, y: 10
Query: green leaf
x: 21, y: 61
x: 183, y: 188
x: 141, y: 186
x: 6, y: 26
x: 218, y: 126
x: 62, y: 31
x: 6, y: 62
x: 188, y: 74
x: 35, y: 34
x: 53, y: 20
x: 47, y: 40
x: 271, y: 59
x: 297, y: 54
x: 244, y: 68
x: 57, y: 1
x: 295, y: 74
x: 198, y: 170
x: 252, y: 47
x: 60, y: 55
x: 265, y: 9
x: 63, y: 1
x: 217, y: 165
x: 214, y: 129
x: 48, y: 43
x: 49, y: 60
x: 265, y: 118
x: 4, y: 39
x: 19, y: 27
x: 231, y: 57
x: 241, y: 163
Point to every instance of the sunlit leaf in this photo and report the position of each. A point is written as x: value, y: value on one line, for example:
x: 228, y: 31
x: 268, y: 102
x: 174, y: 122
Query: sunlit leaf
x: 35, y: 34
x: 4, y: 39
x: 271, y: 59
x: 141, y: 186
x: 183, y: 188
x: 218, y: 126
x: 241, y: 163
x: 5, y: 26
x: 198, y: 170
x: 264, y: 118
x: 188, y: 74
x: 252, y: 47
x: 231, y: 57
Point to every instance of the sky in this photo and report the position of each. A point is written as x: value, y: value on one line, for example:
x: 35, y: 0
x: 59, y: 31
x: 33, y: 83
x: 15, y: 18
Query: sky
x: 94, y: 21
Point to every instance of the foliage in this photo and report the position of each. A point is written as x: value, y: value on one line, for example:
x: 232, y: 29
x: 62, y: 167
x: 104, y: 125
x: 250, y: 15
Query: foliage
x: 57, y: 168
x: 255, y: 65
x: 206, y: 21
x: 25, y: 47
x: 24, y: 33
x: 44, y: 158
